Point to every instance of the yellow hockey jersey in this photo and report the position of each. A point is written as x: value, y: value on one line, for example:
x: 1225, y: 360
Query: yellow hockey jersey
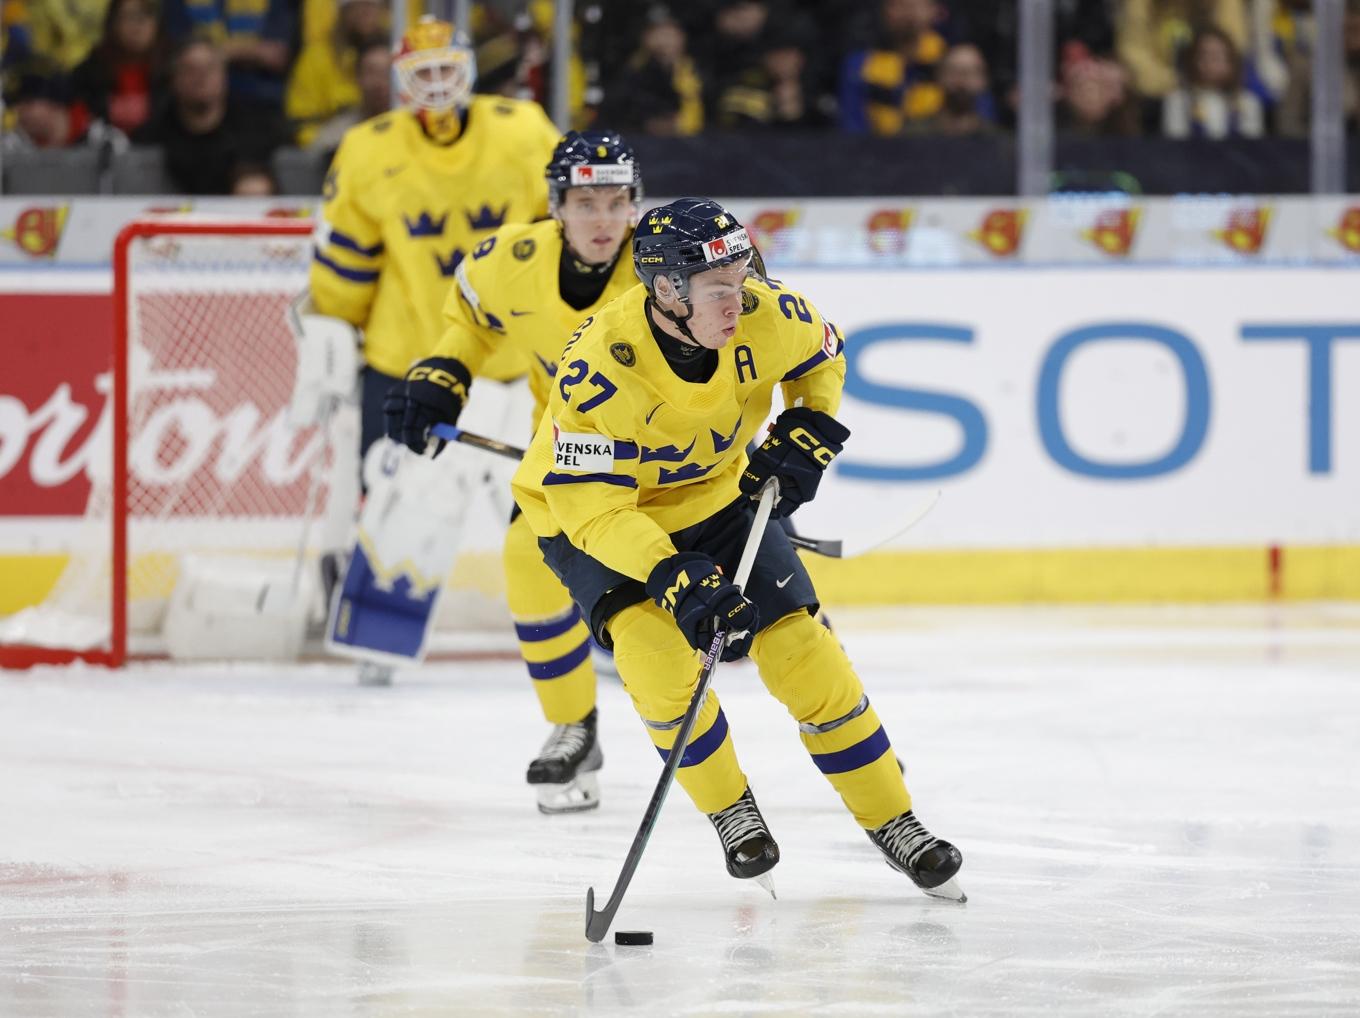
x: 628, y: 452
x: 401, y: 212
x: 507, y: 299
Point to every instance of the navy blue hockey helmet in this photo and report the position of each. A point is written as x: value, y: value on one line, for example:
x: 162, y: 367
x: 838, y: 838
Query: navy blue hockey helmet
x: 687, y: 236
x: 592, y: 159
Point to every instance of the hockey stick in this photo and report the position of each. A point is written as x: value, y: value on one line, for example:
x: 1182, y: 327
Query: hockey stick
x: 597, y: 923
x: 862, y: 544
x: 827, y: 546
x: 453, y: 433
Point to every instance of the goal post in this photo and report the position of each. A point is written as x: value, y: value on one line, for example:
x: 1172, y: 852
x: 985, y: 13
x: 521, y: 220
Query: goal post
x: 193, y: 469
x: 192, y: 453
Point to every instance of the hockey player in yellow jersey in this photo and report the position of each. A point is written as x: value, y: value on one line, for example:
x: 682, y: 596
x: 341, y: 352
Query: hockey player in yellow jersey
x: 523, y: 291
x: 639, y: 488
x: 410, y: 194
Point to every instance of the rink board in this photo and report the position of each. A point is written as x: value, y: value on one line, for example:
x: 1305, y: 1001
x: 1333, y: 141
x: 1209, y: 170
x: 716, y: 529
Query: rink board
x: 1126, y: 432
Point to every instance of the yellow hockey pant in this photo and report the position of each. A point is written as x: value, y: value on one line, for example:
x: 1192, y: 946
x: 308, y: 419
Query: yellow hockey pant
x: 803, y: 666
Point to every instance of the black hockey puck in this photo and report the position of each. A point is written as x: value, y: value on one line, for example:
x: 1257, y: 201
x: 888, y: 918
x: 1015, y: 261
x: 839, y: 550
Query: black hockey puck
x: 633, y: 938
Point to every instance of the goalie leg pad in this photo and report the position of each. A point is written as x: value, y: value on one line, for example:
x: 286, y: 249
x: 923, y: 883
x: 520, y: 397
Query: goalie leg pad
x: 660, y: 671
x: 553, y: 638
x: 409, y: 531
x: 803, y: 666
x: 237, y: 607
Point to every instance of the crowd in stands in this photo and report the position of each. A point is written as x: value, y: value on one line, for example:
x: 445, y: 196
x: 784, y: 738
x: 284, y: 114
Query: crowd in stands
x: 220, y: 84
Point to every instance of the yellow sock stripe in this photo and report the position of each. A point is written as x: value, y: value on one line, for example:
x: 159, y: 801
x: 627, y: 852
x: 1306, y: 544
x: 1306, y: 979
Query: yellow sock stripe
x: 873, y: 793
x: 663, y: 732
x: 568, y: 698
x: 708, y: 772
x: 843, y: 737
x: 556, y: 649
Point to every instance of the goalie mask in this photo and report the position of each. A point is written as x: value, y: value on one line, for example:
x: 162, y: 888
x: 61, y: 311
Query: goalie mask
x: 435, y: 66
x: 689, y: 236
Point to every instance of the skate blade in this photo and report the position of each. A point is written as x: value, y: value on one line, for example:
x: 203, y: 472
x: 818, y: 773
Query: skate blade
x: 948, y: 891
x: 766, y: 881
x: 575, y: 796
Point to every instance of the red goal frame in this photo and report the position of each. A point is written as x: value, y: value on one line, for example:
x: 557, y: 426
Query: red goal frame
x: 116, y: 654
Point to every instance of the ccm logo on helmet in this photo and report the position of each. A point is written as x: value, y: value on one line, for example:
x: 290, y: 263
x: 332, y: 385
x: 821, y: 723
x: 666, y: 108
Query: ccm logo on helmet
x: 727, y: 245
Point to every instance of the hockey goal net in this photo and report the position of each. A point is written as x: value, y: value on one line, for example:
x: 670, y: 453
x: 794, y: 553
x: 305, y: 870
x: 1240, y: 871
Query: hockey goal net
x: 194, y: 461
x: 193, y: 454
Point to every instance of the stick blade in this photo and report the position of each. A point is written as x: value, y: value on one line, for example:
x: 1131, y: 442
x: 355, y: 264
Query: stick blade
x: 597, y: 923
x: 864, y: 542
x: 829, y: 547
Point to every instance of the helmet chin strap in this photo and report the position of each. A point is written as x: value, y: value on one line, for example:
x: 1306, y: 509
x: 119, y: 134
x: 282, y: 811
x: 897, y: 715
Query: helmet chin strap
x: 675, y: 320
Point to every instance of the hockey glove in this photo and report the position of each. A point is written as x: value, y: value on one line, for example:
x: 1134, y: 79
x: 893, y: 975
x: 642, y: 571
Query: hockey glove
x: 433, y: 392
x: 800, y: 446
x: 704, y: 603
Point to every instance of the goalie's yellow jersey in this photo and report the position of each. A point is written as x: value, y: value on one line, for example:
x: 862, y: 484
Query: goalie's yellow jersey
x: 401, y: 212
x: 629, y: 453
x: 507, y: 298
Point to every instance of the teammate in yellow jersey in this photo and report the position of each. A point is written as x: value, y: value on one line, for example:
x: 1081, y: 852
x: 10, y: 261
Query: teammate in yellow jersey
x: 410, y: 194
x: 639, y: 488
x: 523, y: 290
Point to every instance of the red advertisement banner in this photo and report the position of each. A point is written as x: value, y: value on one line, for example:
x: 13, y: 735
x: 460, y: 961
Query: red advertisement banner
x: 58, y: 355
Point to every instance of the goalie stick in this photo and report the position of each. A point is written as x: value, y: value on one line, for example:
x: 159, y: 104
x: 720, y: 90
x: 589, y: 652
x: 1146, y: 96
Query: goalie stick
x: 829, y: 547
x: 597, y: 923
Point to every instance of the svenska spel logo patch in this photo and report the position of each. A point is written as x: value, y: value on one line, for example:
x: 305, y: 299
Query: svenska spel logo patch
x: 727, y: 245
x: 831, y: 343
x: 582, y: 453
x: 600, y: 176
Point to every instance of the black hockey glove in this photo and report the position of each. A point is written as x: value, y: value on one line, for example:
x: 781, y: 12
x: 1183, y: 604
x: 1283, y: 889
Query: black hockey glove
x: 800, y: 446
x: 704, y: 602
x: 433, y: 392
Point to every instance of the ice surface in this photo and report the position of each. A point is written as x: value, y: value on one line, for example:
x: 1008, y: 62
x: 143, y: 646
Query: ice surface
x: 1158, y: 811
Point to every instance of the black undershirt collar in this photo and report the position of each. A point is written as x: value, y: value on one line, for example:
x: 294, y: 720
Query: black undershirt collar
x: 690, y: 363
x: 581, y: 284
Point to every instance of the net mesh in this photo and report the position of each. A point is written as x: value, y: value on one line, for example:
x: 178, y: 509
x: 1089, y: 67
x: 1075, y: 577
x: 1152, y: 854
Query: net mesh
x: 212, y: 464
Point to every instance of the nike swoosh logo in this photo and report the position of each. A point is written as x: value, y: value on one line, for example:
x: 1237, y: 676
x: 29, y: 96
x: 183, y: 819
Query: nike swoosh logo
x: 653, y: 413
x: 392, y: 171
x: 781, y: 584
x: 519, y: 314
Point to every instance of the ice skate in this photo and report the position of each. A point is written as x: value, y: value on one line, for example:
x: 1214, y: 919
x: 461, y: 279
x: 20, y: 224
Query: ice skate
x: 929, y: 861
x: 565, y: 773
x: 749, y: 847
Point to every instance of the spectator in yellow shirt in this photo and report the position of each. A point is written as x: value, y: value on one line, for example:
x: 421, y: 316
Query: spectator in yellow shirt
x: 58, y: 33
x: 1152, y: 35
x: 373, y: 73
x: 894, y: 82
x: 324, y: 82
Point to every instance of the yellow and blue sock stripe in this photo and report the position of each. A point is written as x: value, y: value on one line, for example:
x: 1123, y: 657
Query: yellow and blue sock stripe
x: 556, y: 652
